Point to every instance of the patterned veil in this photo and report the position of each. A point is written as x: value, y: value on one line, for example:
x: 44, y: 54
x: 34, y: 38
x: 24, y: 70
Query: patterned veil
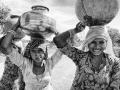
x: 98, y: 32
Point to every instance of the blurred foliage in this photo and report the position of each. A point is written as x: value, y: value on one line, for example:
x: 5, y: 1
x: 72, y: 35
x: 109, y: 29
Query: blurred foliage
x: 115, y: 36
x: 7, y: 26
x: 4, y: 11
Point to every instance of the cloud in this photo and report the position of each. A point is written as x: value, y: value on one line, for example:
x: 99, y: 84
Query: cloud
x: 63, y: 2
x: 54, y: 2
x: 36, y: 1
x: 17, y: 7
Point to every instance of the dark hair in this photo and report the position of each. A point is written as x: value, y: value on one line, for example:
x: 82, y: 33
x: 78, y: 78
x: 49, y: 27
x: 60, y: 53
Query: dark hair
x: 1, y: 39
x: 37, y: 36
x: 37, y: 49
x: 1, y: 49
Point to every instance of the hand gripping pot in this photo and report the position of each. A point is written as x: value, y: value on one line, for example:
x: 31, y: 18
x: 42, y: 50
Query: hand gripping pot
x: 37, y: 22
x: 101, y: 11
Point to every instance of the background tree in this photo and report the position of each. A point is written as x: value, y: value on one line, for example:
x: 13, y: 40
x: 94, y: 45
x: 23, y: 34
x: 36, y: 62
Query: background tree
x: 115, y: 36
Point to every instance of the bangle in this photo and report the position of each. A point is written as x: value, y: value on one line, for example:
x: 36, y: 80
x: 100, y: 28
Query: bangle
x: 11, y: 31
x: 72, y: 33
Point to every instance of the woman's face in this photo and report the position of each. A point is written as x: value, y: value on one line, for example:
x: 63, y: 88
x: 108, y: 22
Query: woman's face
x: 37, y: 55
x: 97, y: 46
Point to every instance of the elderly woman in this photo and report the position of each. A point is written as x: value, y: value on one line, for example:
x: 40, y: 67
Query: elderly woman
x: 35, y: 65
x: 96, y: 69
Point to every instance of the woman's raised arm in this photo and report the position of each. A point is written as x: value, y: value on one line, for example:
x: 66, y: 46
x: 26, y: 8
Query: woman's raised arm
x: 8, y: 38
x: 61, y: 43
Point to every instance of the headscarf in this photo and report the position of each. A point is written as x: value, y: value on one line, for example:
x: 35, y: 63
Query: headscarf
x: 33, y: 43
x: 98, y: 32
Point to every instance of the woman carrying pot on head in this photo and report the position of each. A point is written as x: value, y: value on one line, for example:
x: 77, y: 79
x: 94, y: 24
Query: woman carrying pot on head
x: 35, y: 65
x: 11, y: 77
x: 96, y: 69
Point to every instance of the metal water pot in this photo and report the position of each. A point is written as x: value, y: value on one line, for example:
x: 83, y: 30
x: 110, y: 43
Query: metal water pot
x: 100, y: 11
x: 37, y: 22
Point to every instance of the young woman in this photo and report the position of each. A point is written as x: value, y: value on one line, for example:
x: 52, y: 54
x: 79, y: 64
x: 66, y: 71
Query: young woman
x: 96, y: 69
x: 35, y: 65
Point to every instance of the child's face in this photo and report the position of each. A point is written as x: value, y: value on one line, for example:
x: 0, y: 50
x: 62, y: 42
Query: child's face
x: 37, y: 55
x: 97, y: 46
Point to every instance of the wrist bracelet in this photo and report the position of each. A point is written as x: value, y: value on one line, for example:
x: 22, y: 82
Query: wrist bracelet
x: 72, y: 33
x: 13, y: 32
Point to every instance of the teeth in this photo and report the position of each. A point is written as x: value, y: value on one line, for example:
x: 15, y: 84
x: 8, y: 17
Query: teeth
x: 96, y: 50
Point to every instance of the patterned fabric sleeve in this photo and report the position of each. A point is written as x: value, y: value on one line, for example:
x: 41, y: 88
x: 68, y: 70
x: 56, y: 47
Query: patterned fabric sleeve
x: 115, y: 80
x: 75, y: 54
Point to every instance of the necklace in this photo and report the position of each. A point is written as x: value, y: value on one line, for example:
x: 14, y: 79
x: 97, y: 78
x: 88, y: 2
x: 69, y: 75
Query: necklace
x: 39, y: 78
x: 96, y: 63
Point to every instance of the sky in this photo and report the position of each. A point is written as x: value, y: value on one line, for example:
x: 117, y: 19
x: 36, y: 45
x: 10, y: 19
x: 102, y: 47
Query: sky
x: 63, y: 11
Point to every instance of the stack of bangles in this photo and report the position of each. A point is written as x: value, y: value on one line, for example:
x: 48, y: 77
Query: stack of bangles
x: 72, y: 33
x: 12, y: 32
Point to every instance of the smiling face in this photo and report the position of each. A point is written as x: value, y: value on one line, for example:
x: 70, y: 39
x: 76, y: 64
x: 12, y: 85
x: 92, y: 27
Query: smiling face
x: 37, y: 55
x: 97, y: 46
